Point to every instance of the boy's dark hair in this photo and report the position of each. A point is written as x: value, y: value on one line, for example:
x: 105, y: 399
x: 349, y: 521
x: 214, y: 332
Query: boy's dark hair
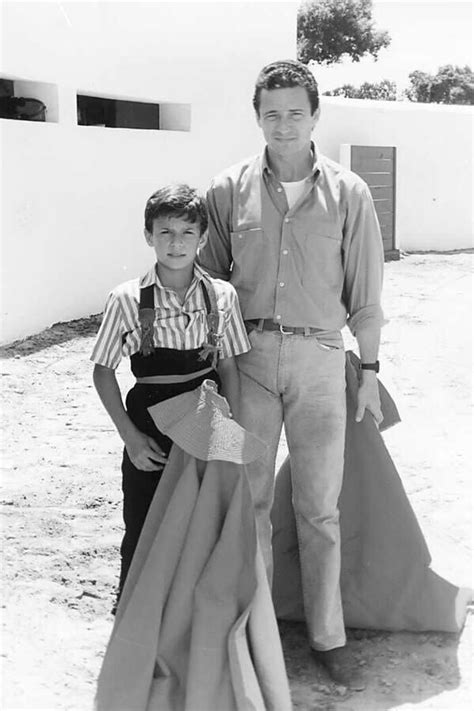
x: 285, y: 74
x: 177, y: 201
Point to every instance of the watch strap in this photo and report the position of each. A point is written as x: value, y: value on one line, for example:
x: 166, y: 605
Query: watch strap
x: 370, y: 366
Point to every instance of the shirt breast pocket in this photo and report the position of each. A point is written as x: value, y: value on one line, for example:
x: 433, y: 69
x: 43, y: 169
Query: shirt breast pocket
x: 248, y: 252
x: 199, y: 324
x: 321, y: 257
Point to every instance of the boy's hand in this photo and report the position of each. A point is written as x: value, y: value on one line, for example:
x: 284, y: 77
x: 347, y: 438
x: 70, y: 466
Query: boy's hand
x: 144, y: 452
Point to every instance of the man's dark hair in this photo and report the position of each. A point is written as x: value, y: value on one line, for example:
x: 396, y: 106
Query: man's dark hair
x: 285, y: 74
x: 177, y: 201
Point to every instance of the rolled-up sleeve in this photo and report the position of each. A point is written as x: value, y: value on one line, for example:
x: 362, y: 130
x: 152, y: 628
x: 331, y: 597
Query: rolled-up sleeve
x: 363, y: 258
x: 235, y: 340
x: 216, y: 255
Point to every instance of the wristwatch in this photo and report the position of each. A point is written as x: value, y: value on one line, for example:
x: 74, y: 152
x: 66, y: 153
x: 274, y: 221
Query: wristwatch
x: 370, y: 366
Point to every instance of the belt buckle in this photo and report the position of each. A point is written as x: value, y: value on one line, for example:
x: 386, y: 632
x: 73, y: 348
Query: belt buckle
x: 285, y: 333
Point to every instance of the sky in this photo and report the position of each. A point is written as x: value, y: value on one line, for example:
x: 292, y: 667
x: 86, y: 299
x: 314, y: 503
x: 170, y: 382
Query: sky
x: 425, y: 35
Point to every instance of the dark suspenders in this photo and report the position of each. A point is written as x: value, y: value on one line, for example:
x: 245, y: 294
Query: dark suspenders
x: 146, y: 316
x: 214, y: 338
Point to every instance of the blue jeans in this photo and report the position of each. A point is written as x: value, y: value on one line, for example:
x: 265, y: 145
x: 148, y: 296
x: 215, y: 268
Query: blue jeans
x: 299, y: 381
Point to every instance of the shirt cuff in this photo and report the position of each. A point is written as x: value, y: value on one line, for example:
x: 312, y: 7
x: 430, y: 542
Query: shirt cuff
x: 366, y: 318
x: 97, y: 360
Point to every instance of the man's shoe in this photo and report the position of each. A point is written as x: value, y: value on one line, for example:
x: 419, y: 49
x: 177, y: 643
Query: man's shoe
x: 341, y: 667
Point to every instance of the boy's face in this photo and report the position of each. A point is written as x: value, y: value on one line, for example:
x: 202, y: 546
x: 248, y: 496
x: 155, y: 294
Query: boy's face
x: 175, y: 241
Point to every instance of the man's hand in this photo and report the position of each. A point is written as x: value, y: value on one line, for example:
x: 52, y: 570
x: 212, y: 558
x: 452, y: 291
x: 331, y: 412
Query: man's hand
x: 368, y: 398
x: 144, y: 452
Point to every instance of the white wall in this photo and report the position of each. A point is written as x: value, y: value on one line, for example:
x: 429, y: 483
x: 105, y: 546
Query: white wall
x: 73, y: 196
x: 434, y: 186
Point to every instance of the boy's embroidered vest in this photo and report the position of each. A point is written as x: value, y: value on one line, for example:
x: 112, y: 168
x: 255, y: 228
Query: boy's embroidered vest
x: 146, y: 316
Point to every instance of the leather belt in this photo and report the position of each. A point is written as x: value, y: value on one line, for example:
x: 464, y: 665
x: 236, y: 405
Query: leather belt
x: 267, y: 324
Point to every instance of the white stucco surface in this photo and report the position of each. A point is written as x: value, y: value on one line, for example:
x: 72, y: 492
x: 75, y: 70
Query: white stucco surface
x: 434, y: 143
x: 73, y: 196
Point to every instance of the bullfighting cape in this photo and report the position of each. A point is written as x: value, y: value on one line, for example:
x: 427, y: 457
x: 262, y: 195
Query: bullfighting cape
x: 386, y: 579
x: 195, y: 628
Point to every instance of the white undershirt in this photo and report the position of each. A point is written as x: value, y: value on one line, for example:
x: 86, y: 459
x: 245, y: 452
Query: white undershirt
x: 293, y: 191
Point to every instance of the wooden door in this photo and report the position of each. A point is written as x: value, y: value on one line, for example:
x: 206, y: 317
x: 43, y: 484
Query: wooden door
x: 377, y: 166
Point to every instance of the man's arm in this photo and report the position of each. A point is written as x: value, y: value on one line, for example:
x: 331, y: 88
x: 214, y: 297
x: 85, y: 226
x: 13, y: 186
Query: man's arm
x: 368, y: 396
x: 363, y: 264
x: 143, y: 451
x: 229, y: 375
x: 216, y: 255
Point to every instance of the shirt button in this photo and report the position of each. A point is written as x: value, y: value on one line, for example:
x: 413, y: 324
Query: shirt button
x: 285, y: 252
x: 279, y: 190
x: 278, y: 317
x: 287, y: 219
x: 240, y: 236
x: 282, y: 283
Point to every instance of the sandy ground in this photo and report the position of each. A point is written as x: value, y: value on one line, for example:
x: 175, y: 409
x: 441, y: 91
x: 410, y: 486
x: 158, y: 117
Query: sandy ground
x: 62, y: 522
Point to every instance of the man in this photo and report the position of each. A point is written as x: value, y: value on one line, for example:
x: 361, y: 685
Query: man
x: 298, y: 237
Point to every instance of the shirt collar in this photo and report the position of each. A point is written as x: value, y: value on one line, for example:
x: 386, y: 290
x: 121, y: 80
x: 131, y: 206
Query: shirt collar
x: 315, y: 170
x: 151, y: 277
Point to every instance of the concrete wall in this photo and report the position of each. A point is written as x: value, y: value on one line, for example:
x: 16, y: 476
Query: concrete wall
x: 434, y: 163
x: 73, y: 196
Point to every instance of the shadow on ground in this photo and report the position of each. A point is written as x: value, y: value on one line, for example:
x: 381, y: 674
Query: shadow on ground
x: 58, y: 333
x: 399, y: 668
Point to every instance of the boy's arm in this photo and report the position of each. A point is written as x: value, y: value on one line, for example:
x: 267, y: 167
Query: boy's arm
x: 143, y: 451
x: 229, y: 375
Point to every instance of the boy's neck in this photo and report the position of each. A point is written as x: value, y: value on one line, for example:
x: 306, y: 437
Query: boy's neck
x: 178, y: 280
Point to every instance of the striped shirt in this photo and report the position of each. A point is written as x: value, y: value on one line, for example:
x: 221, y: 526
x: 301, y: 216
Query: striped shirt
x: 177, y: 325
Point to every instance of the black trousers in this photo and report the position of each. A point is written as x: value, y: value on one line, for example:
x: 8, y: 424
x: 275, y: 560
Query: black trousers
x: 138, y: 489
x: 139, y: 486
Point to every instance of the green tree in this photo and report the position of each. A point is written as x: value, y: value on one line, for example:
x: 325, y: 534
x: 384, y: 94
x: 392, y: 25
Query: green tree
x: 348, y: 91
x: 450, y: 85
x: 384, y: 90
x: 330, y: 29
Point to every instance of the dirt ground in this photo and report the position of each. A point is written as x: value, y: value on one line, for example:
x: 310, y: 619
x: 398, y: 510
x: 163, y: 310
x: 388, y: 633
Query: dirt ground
x: 62, y: 520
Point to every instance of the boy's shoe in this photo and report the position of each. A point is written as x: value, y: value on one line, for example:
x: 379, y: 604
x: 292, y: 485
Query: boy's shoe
x: 113, y: 611
x: 341, y: 667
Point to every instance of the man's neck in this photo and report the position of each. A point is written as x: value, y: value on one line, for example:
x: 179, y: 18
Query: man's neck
x: 292, y: 168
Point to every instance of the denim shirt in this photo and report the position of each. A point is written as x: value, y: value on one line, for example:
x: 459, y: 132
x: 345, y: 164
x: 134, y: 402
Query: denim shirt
x: 318, y: 264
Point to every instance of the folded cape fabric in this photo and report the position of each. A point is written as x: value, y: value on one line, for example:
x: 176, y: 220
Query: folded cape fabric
x: 195, y: 629
x: 386, y: 581
x: 199, y: 422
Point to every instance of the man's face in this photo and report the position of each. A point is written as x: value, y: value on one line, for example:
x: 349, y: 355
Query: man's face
x: 286, y: 120
x: 175, y: 241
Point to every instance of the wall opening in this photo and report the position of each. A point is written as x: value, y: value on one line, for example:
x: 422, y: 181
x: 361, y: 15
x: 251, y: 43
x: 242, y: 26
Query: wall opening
x: 124, y: 113
x: 23, y: 100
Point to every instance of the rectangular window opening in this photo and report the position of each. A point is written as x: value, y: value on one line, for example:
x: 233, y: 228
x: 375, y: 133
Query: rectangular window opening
x: 124, y: 113
x: 23, y: 100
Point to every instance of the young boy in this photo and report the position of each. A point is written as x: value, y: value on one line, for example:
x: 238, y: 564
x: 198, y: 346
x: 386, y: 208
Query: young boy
x: 179, y: 327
